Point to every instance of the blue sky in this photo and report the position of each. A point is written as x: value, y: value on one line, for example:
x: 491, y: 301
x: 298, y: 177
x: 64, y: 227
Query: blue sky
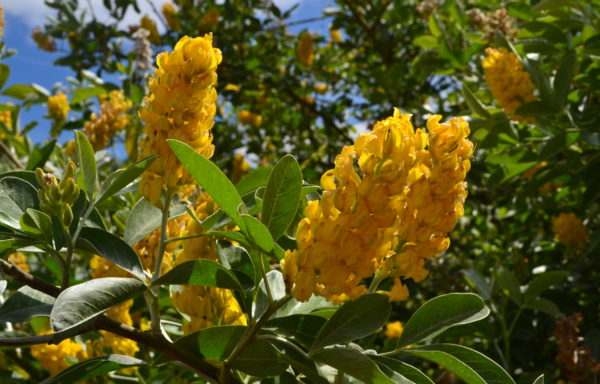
x: 31, y: 65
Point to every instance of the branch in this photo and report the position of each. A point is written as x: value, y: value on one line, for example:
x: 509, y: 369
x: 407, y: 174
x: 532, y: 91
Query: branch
x: 25, y: 278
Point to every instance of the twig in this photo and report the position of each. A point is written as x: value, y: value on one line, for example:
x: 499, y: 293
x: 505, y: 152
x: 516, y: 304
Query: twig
x: 10, y: 155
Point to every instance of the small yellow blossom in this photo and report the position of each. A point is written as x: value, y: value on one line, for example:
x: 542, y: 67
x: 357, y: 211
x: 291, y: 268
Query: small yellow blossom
x: 232, y: 87
x: 249, y: 118
x: 149, y: 25
x: 305, y: 49
x: 44, y: 41
x: 240, y: 167
x: 58, y: 106
x: 181, y: 106
x: 20, y: 260
x: 393, y: 330
x: 100, y: 129
x: 6, y: 118
x: 171, y: 15
x: 54, y: 357
x: 336, y: 36
x: 508, y: 82
x: 321, y: 88
x: 569, y: 230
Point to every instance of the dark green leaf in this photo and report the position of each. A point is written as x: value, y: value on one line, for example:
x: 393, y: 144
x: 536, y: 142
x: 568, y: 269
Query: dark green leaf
x: 78, y: 305
x: 480, y: 282
x: 112, y: 248
x: 471, y: 366
x: 544, y: 305
x: 282, y: 196
x: 258, y: 233
x: 406, y: 370
x: 539, y: 380
x: 355, y: 319
x: 562, y: 80
x: 86, y: 163
x: 300, y: 362
x: 260, y: 359
x: 94, y: 367
x: 218, y: 342
x: 4, y: 73
x: 303, y: 328
x: 507, y: 282
x: 40, y: 155
x: 16, y: 195
x: 120, y: 178
x: 200, y: 272
x: 25, y: 304
x: 543, y: 282
x: 211, y: 179
x: 145, y: 218
x: 353, y: 363
x: 37, y: 224
x: 236, y: 258
x: 474, y: 103
x: 441, y: 313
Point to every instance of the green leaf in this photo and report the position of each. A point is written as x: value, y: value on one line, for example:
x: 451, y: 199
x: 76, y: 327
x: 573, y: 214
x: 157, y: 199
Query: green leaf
x: 277, y: 285
x: 543, y: 282
x: 299, y: 361
x: 120, y: 178
x: 433, y: 26
x: 94, y: 367
x: 211, y: 179
x: 20, y: 91
x: 298, y: 307
x: 12, y: 244
x: 406, y: 370
x: 539, y: 380
x: 40, y: 155
x: 544, y: 305
x: 145, y: 218
x: 354, y: 320
x: 237, y: 259
x: 87, y: 163
x: 112, y: 248
x: 258, y: 233
x: 260, y: 359
x: 80, y: 304
x: 426, y: 41
x: 200, y: 272
x: 441, y: 313
x: 37, y: 224
x: 282, y: 196
x: 471, y: 366
x: 83, y: 94
x: 353, y: 363
x: 507, y: 282
x: 4, y: 74
x: 480, y: 282
x: 474, y: 103
x: 16, y: 195
x: 254, y: 179
x: 218, y: 342
x: 562, y: 80
x: 231, y: 236
x: 25, y: 304
x: 303, y: 328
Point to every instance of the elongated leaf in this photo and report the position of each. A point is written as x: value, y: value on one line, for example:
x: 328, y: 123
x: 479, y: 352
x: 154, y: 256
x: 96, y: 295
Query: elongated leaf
x: 355, y: 319
x: 300, y: 362
x: 25, y: 304
x: 83, y: 94
x: 474, y: 103
x: 78, y: 305
x: 441, y: 313
x: 303, y: 328
x: 260, y: 359
x: 20, y: 91
x: 211, y: 179
x: 16, y: 195
x: 543, y: 282
x: 112, y: 248
x: 507, y: 282
x: 282, y: 196
x: 237, y: 259
x: 37, y: 223
x: 40, y: 155
x: 258, y: 233
x: 238, y: 237
x: 471, y: 366
x: 87, y: 163
x: 201, y: 272
x: 254, y: 179
x: 480, y: 283
x: 94, y: 367
x: 562, y: 80
x: 539, y: 380
x: 4, y: 73
x: 543, y: 305
x: 353, y: 363
x: 145, y: 218
x: 277, y: 285
x: 406, y: 370
x: 11, y: 244
x: 120, y: 178
x: 218, y: 342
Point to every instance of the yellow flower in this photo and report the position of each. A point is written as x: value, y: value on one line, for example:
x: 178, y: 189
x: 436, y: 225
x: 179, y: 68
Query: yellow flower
x: 388, y: 205
x: 181, y: 106
x: 6, y: 118
x: 508, y: 82
x: 232, y: 87
x: 100, y: 129
x: 569, y: 230
x: 58, y: 106
x: 54, y: 357
x: 171, y: 15
x: 321, y: 88
x: 44, y: 41
x: 240, y: 167
x: 393, y: 330
x: 20, y: 260
x: 336, y: 36
x: 149, y: 25
x: 249, y: 118
x: 305, y: 49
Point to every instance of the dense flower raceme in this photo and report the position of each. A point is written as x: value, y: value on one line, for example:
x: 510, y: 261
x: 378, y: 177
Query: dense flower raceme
x: 388, y: 217
x: 508, y: 82
x: 100, y: 129
x: 58, y: 106
x: 181, y: 106
x: 44, y: 41
x: 149, y: 25
x: 305, y: 49
x: 58, y: 357
x: 393, y: 330
x: 569, y: 230
x: 204, y: 306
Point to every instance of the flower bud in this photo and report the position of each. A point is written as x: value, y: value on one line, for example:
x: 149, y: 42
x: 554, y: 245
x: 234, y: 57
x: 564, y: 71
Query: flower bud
x: 67, y: 215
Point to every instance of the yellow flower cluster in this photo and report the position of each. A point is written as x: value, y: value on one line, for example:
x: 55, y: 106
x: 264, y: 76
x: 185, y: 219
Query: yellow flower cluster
x: 205, y: 306
x: 147, y: 248
x: 170, y: 14
x: 336, y: 36
x: 305, y: 49
x: 508, y: 82
x: 389, y: 217
x: 321, y: 88
x: 249, y: 118
x: 149, y: 25
x: 393, y: 330
x: 55, y: 357
x: 20, y: 260
x: 569, y: 230
x: 100, y: 129
x: 6, y: 118
x: 44, y: 41
x: 58, y: 106
x: 181, y: 106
